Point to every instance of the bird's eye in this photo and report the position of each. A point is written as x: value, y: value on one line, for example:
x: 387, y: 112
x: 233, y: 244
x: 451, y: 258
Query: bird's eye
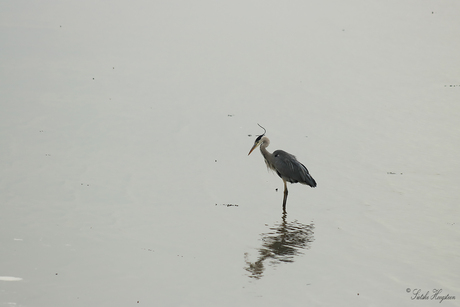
x: 258, y: 138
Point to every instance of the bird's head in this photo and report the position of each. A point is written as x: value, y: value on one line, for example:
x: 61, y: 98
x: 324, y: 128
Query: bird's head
x: 258, y: 140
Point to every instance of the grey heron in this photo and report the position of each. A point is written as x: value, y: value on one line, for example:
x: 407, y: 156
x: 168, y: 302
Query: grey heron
x: 284, y: 164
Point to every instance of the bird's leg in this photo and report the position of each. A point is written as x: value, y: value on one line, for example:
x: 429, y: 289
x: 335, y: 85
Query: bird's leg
x: 285, y: 195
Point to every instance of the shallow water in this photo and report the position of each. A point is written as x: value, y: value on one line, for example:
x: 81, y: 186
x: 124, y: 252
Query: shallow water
x: 124, y: 135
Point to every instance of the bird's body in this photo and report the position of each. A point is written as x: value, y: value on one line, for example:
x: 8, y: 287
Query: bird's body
x: 285, y: 165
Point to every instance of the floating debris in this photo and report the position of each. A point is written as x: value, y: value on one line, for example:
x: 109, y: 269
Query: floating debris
x: 10, y: 278
x: 229, y: 205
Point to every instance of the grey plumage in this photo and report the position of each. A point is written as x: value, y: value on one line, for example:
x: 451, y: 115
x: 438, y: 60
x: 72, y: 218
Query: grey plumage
x: 290, y: 169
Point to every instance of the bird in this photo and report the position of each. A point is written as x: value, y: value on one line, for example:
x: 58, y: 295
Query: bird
x: 284, y: 164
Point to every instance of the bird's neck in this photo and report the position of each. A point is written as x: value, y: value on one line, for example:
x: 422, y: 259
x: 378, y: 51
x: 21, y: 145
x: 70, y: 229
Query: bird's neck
x: 265, y: 152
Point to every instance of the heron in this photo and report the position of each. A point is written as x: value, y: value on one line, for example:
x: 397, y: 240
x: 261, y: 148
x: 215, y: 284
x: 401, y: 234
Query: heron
x: 284, y: 164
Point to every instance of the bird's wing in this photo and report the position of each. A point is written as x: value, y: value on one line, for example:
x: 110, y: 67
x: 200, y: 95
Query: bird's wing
x: 288, y: 168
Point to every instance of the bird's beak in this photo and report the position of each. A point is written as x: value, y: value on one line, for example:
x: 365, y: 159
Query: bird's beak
x: 253, y: 147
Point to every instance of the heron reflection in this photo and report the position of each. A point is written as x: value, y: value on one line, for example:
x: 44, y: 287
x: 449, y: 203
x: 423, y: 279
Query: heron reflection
x: 284, y: 241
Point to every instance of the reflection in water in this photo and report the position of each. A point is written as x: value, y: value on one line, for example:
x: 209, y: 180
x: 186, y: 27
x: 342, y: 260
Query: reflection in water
x: 281, y: 244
